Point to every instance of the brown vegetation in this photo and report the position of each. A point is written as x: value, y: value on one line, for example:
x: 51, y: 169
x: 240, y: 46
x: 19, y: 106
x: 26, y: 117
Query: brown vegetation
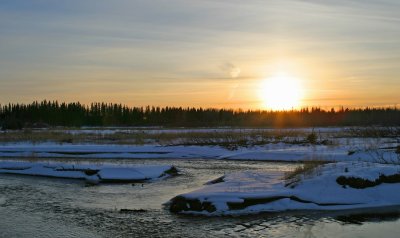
x: 307, y: 169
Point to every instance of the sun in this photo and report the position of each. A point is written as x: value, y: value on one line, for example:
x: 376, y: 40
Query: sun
x: 281, y: 92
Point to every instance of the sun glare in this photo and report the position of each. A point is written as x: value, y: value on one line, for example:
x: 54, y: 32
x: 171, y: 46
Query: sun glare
x: 281, y: 92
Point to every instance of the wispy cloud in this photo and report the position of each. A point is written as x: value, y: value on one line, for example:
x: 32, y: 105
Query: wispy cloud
x: 232, y: 70
x: 143, y: 44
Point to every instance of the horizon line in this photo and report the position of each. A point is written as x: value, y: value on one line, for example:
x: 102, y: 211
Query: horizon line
x: 308, y: 107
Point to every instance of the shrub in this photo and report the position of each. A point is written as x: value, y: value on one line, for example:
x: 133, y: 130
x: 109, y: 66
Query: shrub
x: 360, y: 183
x: 312, y: 138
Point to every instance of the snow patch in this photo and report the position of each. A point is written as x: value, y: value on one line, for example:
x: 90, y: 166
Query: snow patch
x: 254, y: 192
x: 89, y: 172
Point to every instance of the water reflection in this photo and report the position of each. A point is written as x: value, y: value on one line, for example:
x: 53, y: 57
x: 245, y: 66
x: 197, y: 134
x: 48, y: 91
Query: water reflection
x: 68, y: 208
x: 370, y: 216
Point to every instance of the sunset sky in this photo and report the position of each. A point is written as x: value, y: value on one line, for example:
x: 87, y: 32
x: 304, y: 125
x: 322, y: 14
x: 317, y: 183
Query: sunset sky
x: 231, y: 54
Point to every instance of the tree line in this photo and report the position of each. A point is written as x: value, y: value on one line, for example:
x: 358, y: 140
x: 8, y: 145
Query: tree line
x: 75, y: 114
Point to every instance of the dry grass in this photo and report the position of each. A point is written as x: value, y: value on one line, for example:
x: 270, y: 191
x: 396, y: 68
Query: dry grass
x: 230, y: 139
x: 308, y: 169
x: 373, y: 132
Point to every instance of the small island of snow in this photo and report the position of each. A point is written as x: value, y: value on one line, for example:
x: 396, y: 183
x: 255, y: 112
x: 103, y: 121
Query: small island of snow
x: 89, y: 172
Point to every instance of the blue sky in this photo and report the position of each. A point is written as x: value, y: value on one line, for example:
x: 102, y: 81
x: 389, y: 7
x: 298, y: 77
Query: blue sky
x: 199, y: 53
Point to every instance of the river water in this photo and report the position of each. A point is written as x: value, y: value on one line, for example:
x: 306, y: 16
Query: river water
x: 45, y: 207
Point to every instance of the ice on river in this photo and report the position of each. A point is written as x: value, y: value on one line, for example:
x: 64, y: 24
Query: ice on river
x: 89, y: 172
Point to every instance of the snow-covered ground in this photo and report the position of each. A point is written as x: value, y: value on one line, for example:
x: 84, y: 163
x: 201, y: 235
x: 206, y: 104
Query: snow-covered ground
x: 53, y: 150
x: 89, y: 172
x: 334, y: 186
x: 292, y: 144
x: 269, y: 152
x: 372, y: 161
x: 159, y: 130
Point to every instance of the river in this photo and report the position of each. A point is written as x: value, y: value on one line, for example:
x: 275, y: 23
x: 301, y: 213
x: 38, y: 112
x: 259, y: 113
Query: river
x: 46, y: 207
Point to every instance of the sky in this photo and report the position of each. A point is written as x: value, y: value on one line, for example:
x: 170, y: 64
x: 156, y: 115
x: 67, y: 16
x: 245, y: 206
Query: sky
x: 208, y: 53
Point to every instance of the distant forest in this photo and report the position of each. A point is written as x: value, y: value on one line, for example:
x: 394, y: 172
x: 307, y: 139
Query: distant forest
x: 53, y: 113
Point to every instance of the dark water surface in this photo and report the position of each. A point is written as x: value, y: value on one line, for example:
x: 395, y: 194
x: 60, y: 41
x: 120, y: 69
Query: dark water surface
x: 43, y: 207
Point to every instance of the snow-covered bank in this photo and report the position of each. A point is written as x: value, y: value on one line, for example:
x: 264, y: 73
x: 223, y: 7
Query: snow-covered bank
x: 160, y: 130
x: 335, y: 186
x: 53, y: 150
x: 268, y: 152
x: 91, y: 173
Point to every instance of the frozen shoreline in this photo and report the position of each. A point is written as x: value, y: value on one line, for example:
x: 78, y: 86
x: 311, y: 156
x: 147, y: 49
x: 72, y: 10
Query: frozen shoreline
x: 269, y: 152
x: 334, y: 186
x: 89, y: 172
